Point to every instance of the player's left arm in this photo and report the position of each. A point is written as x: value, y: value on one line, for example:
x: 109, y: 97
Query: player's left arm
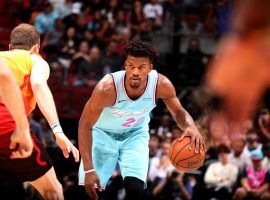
x: 166, y: 91
x: 39, y: 75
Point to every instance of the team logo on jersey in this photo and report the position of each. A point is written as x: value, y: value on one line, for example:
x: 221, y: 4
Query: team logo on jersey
x: 124, y: 113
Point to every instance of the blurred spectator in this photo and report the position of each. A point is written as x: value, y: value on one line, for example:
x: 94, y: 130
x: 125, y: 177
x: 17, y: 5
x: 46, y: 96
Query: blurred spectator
x: 45, y: 20
x: 64, y: 8
x: 89, y: 71
x: 145, y: 30
x: 51, y: 39
x: 90, y: 38
x: 71, y: 20
x: 252, y: 142
x: 176, y: 132
x: 82, y: 54
x: 80, y: 27
x: 237, y: 158
x: 127, y: 5
x: 247, y: 126
x: 106, y: 32
x: 76, y: 8
x: 164, y: 181
x: 221, y: 176
x: 96, y: 4
x: 175, y: 186
x: 35, y: 12
x: 209, y: 17
x: 264, y: 125
x: 255, y: 179
x: 164, y: 125
x: 153, y: 10
x: 136, y: 16
x: 266, y: 153
x: 111, y: 60
x: 153, y: 146
x: 120, y: 21
x: 95, y: 24
x: 218, y: 133
x: 206, y: 136
x: 191, y: 27
x: 192, y: 67
x: 111, y: 10
x: 224, y: 8
x: 161, y: 165
x: 123, y: 38
x: 67, y: 47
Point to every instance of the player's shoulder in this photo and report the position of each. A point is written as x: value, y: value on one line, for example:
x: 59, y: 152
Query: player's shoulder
x: 165, y: 87
x: 36, y: 58
x: 163, y: 80
x: 106, y: 85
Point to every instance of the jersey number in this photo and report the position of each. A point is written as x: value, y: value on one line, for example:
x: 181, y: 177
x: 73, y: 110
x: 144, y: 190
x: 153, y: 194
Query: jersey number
x: 129, y: 122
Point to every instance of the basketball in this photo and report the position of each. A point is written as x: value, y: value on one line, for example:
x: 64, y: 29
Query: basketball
x: 182, y: 158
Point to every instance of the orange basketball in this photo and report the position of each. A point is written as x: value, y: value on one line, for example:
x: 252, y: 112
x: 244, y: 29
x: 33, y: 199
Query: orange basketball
x: 182, y: 158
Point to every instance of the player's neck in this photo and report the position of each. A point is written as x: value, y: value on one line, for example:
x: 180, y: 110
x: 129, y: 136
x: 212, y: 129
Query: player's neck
x: 135, y: 93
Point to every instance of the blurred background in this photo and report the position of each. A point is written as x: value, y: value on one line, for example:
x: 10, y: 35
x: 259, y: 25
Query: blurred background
x: 82, y: 41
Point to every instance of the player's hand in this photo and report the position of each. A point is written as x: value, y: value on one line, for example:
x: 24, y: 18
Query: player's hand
x: 196, y: 139
x: 66, y: 146
x: 91, y: 179
x: 23, y: 138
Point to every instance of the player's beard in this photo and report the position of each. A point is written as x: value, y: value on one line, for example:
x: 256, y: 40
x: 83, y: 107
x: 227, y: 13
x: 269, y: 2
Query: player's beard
x: 135, y: 86
x: 135, y: 82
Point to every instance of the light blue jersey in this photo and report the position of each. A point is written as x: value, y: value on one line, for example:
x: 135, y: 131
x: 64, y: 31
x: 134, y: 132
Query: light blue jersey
x: 127, y: 114
x: 121, y: 136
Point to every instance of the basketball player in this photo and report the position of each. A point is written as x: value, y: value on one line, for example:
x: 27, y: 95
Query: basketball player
x: 14, y: 103
x: 31, y: 73
x: 114, y: 123
x: 240, y: 72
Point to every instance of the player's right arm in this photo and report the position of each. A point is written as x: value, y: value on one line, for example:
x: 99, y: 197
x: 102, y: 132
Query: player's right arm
x: 103, y: 96
x: 14, y: 103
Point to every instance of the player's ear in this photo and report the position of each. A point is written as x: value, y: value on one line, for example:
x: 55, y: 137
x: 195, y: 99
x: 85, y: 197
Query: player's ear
x: 125, y: 64
x: 35, y: 49
x: 151, y: 66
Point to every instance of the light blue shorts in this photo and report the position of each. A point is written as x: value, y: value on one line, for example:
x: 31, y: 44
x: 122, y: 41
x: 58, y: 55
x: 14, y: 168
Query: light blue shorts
x: 130, y: 150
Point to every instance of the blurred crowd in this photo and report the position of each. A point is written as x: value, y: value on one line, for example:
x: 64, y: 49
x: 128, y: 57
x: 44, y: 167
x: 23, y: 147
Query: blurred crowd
x: 82, y: 41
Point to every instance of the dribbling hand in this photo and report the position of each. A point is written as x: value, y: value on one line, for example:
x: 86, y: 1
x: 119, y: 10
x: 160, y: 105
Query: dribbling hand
x: 196, y: 139
x: 89, y: 183
x: 25, y: 142
x: 66, y: 146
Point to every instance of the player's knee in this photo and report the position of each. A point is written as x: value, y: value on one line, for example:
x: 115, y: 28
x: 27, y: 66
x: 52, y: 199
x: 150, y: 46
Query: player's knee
x: 134, y: 188
x: 54, y: 194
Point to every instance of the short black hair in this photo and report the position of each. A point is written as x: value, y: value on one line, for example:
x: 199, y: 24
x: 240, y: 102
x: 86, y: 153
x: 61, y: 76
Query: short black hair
x: 138, y: 48
x: 222, y: 148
